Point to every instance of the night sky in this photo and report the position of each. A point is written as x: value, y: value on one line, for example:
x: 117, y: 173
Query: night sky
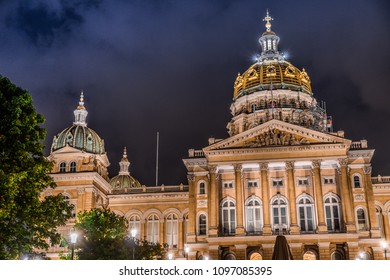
x: 169, y: 67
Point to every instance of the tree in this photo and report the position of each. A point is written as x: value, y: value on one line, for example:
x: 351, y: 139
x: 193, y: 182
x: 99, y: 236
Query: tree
x: 27, y: 220
x: 104, y: 236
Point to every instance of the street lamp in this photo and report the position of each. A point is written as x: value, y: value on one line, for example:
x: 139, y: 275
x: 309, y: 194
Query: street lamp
x: 385, y: 246
x: 170, y: 256
x: 73, y: 240
x: 133, y: 233
x: 186, y: 250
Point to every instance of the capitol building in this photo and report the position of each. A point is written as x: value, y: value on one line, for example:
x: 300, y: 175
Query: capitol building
x: 281, y: 170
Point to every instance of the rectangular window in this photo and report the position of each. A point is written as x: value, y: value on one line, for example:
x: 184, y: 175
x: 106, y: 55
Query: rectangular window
x: 227, y: 185
x: 277, y: 182
x: 303, y: 181
x: 252, y: 184
x: 328, y: 180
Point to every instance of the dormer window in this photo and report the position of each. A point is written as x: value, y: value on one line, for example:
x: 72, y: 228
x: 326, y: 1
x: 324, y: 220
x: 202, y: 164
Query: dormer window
x: 62, y: 167
x: 72, y: 167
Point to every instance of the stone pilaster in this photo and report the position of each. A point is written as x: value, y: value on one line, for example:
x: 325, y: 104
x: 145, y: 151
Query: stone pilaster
x: 374, y: 227
x: 213, y: 202
x: 239, y: 200
x: 191, y: 237
x: 294, y: 228
x: 346, y: 196
x: 319, y: 196
x: 265, y: 197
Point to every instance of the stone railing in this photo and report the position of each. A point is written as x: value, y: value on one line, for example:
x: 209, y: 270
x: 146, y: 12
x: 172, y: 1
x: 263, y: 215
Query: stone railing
x: 362, y: 144
x: 195, y: 153
x: 153, y: 189
x: 380, y: 179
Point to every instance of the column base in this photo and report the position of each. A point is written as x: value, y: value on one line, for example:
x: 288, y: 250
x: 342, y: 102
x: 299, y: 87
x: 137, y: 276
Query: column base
x: 240, y: 231
x: 294, y: 229
x: 322, y: 228
x: 213, y: 232
x: 267, y: 230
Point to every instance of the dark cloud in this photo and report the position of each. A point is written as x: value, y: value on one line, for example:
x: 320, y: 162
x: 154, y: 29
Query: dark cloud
x: 169, y: 66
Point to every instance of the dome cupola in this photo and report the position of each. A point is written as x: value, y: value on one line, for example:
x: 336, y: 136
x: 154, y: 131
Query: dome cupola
x: 78, y: 135
x: 273, y: 88
x: 124, y: 180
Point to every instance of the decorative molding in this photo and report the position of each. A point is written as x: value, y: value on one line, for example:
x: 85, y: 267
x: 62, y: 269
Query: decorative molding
x: 343, y: 162
x: 237, y: 167
x: 358, y: 197
x: 367, y: 170
x: 191, y: 178
x: 316, y: 163
x: 289, y: 165
x: 201, y: 204
x: 263, y: 165
x: 212, y: 168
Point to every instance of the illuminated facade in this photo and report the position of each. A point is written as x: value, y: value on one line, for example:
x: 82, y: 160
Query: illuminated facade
x: 282, y: 170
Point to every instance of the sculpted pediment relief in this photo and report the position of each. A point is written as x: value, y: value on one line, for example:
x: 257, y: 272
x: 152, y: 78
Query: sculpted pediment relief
x: 276, y: 133
x: 275, y: 137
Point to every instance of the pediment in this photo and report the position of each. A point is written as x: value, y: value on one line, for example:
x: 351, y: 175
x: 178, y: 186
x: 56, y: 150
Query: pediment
x: 67, y: 150
x: 276, y: 133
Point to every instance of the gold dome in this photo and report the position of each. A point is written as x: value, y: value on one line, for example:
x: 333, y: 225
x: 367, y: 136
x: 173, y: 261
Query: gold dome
x: 282, y: 74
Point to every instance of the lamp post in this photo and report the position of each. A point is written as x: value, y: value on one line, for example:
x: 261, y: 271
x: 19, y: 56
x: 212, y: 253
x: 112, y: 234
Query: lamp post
x: 186, y: 250
x: 385, y: 246
x: 170, y: 256
x: 73, y: 240
x: 133, y: 233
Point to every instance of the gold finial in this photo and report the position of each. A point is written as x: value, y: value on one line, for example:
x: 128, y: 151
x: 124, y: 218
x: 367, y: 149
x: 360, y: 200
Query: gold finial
x: 124, y: 152
x: 81, y: 102
x: 267, y: 19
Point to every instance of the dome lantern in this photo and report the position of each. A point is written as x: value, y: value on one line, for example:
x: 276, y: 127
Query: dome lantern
x: 80, y: 114
x: 124, y: 164
x: 269, y: 42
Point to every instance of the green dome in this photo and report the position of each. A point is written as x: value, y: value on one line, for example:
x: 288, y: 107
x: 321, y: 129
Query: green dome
x: 79, y: 137
x: 124, y: 182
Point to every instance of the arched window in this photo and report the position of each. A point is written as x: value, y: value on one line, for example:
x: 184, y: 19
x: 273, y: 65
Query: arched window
x: 228, y: 217
x: 279, y: 213
x: 253, y: 211
x: 309, y: 255
x: 172, y: 230
x: 361, y: 219
x: 135, y: 223
x: 72, y: 166
x: 63, y: 167
x: 202, y: 188
x: 153, y: 228
x: 202, y: 222
x: 356, y: 181
x: 332, y: 213
x: 305, y: 212
x: 337, y: 255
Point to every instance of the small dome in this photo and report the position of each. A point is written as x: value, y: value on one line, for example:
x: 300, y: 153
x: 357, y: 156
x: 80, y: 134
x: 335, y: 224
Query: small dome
x: 124, y: 180
x: 79, y: 137
x: 282, y: 75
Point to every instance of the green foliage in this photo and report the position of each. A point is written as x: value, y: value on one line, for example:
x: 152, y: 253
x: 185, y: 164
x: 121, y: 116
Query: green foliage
x: 103, y: 235
x: 26, y: 220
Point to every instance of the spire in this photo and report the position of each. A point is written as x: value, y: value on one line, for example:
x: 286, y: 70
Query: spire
x: 269, y: 42
x: 80, y: 114
x: 124, y: 164
x: 267, y: 19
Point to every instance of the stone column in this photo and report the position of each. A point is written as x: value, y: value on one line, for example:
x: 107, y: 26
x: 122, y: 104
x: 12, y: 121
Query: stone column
x: 192, y: 209
x: 346, y: 196
x: 213, y: 203
x: 374, y: 227
x: 319, y: 200
x: 180, y: 235
x: 162, y: 231
x: 265, y: 198
x: 294, y: 229
x: 239, y: 200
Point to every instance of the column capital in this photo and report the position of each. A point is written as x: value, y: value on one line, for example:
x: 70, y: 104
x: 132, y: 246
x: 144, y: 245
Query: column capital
x: 263, y: 165
x: 343, y: 162
x: 237, y: 167
x: 212, y: 168
x: 367, y: 170
x: 191, y: 177
x: 289, y: 165
x: 316, y: 163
